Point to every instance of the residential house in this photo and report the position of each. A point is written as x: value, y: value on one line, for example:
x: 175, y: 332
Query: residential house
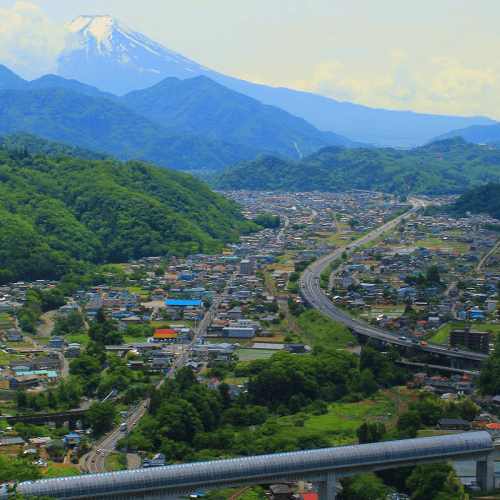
x: 281, y: 492
x: 13, y: 335
x: 494, y: 430
x: 56, y: 342
x: 158, y: 460
x: 453, y: 424
x: 481, y: 422
x: 71, y: 440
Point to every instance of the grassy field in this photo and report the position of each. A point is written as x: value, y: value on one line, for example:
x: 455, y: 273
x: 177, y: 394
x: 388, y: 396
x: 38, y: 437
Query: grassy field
x: 129, y: 338
x: 113, y: 462
x: 435, y: 432
x: 79, y: 338
x: 249, y: 354
x: 5, y: 358
x: 235, y: 380
x: 339, y: 425
x: 320, y: 330
x: 137, y: 289
x: 443, y: 333
x: 58, y: 470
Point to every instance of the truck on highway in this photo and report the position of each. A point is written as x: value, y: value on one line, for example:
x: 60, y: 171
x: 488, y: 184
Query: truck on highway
x: 123, y: 426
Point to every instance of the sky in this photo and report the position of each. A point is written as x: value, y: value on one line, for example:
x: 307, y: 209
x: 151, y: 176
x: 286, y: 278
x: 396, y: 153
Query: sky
x: 430, y: 56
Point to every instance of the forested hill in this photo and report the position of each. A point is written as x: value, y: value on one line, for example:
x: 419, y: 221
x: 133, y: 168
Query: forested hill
x: 482, y: 200
x: 448, y: 166
x: 101, y: 124
x: 21, y: 140
x: 58, y: 214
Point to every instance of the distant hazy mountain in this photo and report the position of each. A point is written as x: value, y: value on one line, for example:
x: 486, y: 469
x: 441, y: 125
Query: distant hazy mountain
x: 203, y: 107
x: 448, y: 166
x: 100, y: 124
x: 200, y: 106
x: 9, y: 81
x: 54, y: 81
x: 117, y: 59
x: 480, y: 134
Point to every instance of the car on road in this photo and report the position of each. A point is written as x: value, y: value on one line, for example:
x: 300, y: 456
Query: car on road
x: 402, y: 337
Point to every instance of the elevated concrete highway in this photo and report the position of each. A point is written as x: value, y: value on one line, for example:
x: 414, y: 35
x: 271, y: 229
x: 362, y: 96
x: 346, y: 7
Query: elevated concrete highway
x: 313, y: 294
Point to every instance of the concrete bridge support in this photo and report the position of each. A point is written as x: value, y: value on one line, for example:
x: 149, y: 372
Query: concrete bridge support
x: 326, y: 488
x: 485, y: 473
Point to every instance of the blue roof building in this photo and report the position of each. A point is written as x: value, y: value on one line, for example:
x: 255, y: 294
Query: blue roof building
x: 183, y: 303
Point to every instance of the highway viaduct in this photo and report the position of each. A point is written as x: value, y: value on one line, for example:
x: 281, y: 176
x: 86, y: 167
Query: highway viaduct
x: 323, y: 467
x: 315, y: 297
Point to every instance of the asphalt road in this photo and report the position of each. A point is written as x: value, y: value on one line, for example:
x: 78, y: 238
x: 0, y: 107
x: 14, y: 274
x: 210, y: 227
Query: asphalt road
x: 94, y: 460
x: 314, y: 295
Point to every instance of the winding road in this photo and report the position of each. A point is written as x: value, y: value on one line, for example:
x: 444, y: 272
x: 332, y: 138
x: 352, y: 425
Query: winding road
x: 313, y: 294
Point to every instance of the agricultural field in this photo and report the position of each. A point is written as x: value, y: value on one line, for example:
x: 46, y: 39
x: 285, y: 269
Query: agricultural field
x: 251, y: 354
x: 441, y: 244
x: 58, y: 470
x: 6, y: 321
x: 389, y: 311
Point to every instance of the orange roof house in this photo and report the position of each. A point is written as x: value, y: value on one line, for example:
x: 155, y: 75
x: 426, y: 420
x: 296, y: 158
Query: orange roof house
x: 165, y: 333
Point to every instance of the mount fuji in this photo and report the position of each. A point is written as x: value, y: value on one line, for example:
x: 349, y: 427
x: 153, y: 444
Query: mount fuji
x: 111, y: 56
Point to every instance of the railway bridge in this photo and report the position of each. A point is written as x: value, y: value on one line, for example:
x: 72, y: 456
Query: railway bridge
x: 323, y: 467
x: 60, y: 418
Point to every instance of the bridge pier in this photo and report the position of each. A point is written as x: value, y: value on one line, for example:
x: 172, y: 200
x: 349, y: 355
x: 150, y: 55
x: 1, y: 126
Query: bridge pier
x: 485, y: 473
x: 326, y: 488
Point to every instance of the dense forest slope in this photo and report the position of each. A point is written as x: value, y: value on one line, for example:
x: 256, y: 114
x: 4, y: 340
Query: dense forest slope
x: 101, y: 124
x: 482, y: 200
x: 57, y: 214
x: 203, y: 107
x: 449, y: 166
x: 35, y: 144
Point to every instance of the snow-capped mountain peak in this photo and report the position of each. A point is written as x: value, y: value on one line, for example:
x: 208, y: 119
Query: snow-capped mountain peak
x: 119, y: 53
x: 97, y: 28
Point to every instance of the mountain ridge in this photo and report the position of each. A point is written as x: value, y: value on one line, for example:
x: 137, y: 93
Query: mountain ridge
x: 134, y: 67
x: 443, y: 167
x: 197, y: 107
x: 100, y: 124
x: 204, y: 107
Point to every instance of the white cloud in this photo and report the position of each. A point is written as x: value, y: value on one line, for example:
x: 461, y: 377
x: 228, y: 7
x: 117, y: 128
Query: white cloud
x: 451, y: 81
x: 252, y: 78
x: 397, y: 81
x: 29, y: 42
